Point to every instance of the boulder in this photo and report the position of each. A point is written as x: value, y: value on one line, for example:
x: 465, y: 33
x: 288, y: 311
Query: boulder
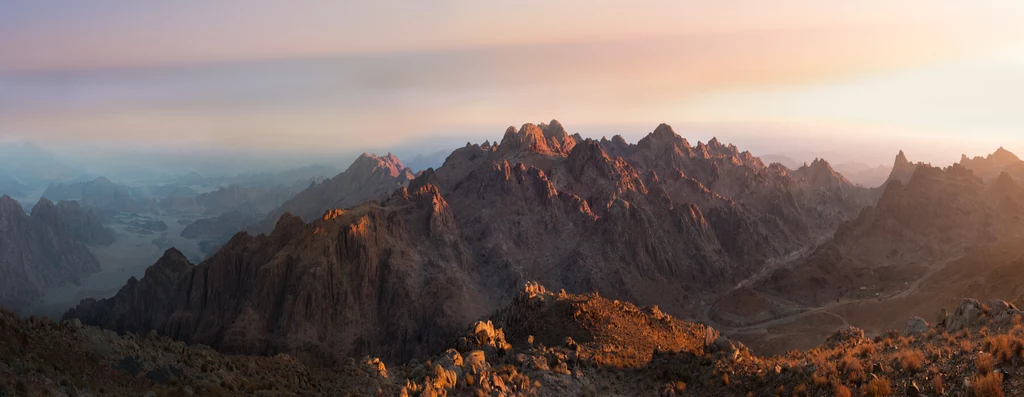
x: 845, y: 335
x: 723, y: 344
x: 997, y: 306
x: 915, y: 326
x: 476, y: 362
x: 941, y: 319
x: 967, y: 314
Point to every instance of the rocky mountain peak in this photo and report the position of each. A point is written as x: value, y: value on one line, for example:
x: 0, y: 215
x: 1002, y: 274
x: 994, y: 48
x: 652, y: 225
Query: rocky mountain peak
x: 820, y: 174
x: 901, y: 159
x: 989, y: 167
x: 9, y: 206
x: 44, y: 207
x: 554, y: 129
x: 902, y: 168
x: 369, y: 163
x: 288, y: 224
x: 1004, y: 155
x: 664, y: 136
x: 547, y: 139
x: 172, y: 263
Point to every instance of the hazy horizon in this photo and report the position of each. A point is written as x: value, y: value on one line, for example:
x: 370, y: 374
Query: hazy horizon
x: 859, y: 81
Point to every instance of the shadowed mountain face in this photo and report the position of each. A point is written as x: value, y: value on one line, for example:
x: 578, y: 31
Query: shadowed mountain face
x: 659, y: 221
x: 368, y: 178
x: 40, y: 251
x: 84, y: 223
x: 932, y: 218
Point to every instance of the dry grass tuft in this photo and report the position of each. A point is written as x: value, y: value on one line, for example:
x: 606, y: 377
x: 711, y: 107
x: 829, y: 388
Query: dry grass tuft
x: 937, y: 385
x: 877, y: 387
x: 910, y: 360
x: 990, y: 385
x: 984, y: 363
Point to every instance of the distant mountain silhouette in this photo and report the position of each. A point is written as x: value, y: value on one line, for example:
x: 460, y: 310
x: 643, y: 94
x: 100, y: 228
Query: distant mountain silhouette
x: 101, y: 194
x: 40, y: 251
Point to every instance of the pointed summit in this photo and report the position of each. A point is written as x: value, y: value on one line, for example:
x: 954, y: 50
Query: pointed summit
x: 664, y: 136
x: 1004, y: 156
x: 172, y: 261
x: 44, y: 207
x: 901, y: 159
x: 664, y: 130
x: 902, y: 169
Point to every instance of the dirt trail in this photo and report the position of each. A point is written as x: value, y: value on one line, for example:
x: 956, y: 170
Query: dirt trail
x: 820, y: 309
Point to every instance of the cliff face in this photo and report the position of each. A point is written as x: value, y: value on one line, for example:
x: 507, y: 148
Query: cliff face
x: 37, y: 252
x: 371, y: 278
x: 398, y: 277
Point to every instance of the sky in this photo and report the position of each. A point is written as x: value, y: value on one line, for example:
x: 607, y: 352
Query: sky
x: 859, y: 80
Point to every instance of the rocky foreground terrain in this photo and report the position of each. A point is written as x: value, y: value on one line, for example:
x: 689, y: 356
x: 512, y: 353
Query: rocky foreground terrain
x: 543, y: 343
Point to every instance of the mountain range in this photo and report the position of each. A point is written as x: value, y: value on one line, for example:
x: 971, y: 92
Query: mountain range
x: 660, y: 221
x: 101, y: 194
x: 393, y: 266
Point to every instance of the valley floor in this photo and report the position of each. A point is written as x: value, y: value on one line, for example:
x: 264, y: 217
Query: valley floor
x: 133, y: 250
x: 988, y: 272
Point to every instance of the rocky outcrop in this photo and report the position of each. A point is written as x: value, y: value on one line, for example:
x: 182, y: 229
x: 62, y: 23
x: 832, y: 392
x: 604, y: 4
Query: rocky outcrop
x: 546, y: 139
x: 37, y: 252
x: 967, y: 314
x: 916, y: 326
